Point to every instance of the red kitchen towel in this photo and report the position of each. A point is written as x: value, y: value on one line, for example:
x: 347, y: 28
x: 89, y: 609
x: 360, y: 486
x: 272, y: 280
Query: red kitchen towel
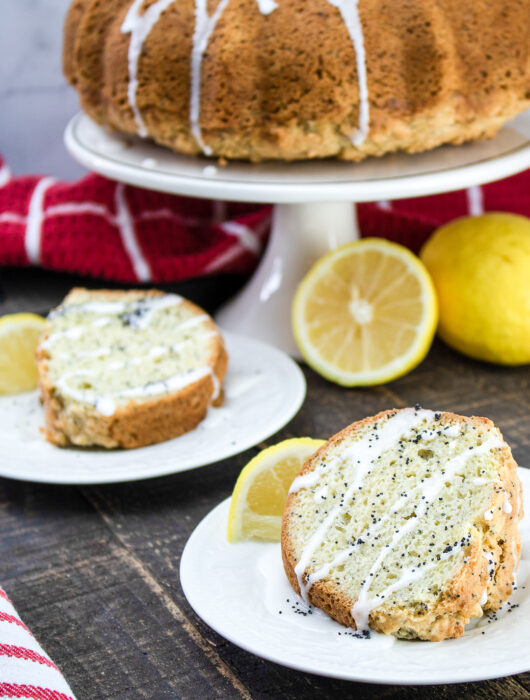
x: 101, y: 228
x: 26, y: 671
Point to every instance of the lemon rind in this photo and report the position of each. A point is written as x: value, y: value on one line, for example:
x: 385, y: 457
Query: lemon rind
x: 258, y: 464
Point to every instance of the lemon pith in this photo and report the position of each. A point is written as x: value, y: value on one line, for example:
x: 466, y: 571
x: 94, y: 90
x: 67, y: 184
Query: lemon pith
x: 19, y: 335
x: 365, y: 313
x: 261, y: 490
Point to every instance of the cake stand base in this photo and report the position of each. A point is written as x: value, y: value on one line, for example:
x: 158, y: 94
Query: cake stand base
x: 301, y: 233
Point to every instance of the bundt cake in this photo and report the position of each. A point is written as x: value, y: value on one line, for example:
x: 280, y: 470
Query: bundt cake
x: 127, y: 369
x: 406, y: 523
x: 297, y: 79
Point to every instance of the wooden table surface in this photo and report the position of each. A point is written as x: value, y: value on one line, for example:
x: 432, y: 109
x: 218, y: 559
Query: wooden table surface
x: 93, y: 571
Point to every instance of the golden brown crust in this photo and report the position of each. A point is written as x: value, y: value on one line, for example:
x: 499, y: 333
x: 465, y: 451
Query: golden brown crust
x: 460, y: 601
x: 70, y: 31
x: 135, y: 424
x: 286, y: 87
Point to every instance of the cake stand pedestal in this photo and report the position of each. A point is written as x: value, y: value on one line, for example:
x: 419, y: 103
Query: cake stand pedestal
x: 314, y: 209
x: 300, y: 234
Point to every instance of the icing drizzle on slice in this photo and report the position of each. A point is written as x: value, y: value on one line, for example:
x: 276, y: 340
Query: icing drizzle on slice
x: 364, y: 605
x: 363, y: 454
x: 136, y: 315
x: 105, y: 403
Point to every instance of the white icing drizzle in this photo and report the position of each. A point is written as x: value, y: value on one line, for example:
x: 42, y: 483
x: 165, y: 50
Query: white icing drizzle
x: 507, y: 506
x: 106, y: 405
x: 149, y: 304
x: 139, y: 27
x: 266, y: 6
x: 363, y: 454
x: 490, y: 558
x: 100, y: 322
x: 483, y: 598
x: 349, y: 10
x: 117, y: 364
x: 177, y: 347
x: 204, y: 26
x: 139, y: 314
x: 158, y: 351
x: 94, y: 307
x: 452, y: 431
x: 321, y: 494
x: 216, y: 384
x: 100, y: 352
x: 361, y: 538
x: 488, y: 515
x: 73, y: 333
x: 192, y: 322
x: 306, y: 481
x: 363, y: 606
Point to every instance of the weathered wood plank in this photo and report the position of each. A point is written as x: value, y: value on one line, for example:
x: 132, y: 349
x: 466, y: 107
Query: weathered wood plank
x: 94, y: 571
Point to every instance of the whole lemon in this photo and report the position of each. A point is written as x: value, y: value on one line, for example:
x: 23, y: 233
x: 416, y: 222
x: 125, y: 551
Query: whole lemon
x: 481, y: 270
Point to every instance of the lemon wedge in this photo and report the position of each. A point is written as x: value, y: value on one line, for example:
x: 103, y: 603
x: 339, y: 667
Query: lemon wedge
x: 261, y: 490
x: 366, y: 313
x: 19, y: 335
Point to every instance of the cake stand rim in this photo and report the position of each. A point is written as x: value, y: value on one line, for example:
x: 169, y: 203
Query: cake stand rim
x: 254, y: 189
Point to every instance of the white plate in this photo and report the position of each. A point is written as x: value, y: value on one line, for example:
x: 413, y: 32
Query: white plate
x: 239, y: 590
x: 141, y: 163
x: 264, y: 389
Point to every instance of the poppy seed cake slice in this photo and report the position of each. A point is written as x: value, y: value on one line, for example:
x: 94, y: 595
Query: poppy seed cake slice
x: 406, y: 523
x: 127, y: 368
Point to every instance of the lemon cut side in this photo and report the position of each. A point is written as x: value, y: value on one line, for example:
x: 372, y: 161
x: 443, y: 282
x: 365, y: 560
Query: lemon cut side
x: 366, y: 313
x: 19, y: 336
x: 261, y: 490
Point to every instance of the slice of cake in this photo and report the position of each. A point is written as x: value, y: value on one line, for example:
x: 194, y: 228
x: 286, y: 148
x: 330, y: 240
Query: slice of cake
x: 127, y: 369
x: 406, y: 523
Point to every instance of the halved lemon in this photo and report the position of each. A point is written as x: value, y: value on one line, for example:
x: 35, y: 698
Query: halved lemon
x: 261, y: 490
x: 19, y: 336
x: 366, y: 313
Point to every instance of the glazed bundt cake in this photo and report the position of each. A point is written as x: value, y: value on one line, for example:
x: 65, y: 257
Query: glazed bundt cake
x: 127, y: 369
x: 297, y: 79
x: 406, y: 523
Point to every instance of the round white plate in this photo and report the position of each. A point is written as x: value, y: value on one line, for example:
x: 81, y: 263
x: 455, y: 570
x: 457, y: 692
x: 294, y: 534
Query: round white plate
x: 448, y: 168
x: 264, y: 389
x: 242, y: 592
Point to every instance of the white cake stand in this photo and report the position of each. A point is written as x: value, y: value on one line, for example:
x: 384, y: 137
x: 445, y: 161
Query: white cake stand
x: 314, y: 210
